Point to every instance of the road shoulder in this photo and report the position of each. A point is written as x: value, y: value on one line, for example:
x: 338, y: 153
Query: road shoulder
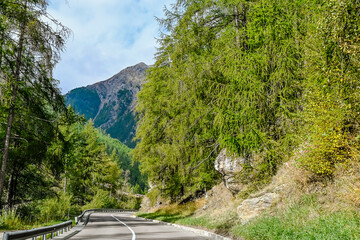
x: 197, y: 231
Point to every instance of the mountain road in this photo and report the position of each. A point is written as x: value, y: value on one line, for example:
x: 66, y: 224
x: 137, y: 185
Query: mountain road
x: 124, y: 226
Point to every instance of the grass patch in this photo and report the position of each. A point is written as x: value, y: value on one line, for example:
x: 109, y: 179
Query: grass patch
x: 10, y: 220
x: 173, y: 212
x: 221, y: 224
x: 21, y: 225
x: 165, y: 217
x: 303, y: 220
x: 306, y: 219
x: 184, y: 215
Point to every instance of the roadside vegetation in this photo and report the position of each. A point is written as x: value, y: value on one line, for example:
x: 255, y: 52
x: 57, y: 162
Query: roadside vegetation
x: 10, y: 220
x: 304, y: 219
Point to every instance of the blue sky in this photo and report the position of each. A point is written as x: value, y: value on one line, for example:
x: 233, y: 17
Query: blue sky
x: 108, y: 36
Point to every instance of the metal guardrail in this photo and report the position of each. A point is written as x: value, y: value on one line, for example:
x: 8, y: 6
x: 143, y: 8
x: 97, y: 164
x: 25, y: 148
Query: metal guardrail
x: 58, y: 228
x: 33, y: 233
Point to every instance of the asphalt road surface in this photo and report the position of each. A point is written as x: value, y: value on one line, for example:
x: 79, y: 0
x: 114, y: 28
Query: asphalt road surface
x: 124, y: 226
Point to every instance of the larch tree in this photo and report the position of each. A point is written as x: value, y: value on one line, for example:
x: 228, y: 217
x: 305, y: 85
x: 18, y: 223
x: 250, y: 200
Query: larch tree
x: 227, y: 76
x: 31, y: 43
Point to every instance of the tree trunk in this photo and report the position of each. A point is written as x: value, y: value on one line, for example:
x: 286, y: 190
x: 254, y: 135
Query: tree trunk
x: 1, y: 50
x: 244, y: 23
x: 66, y: 182
x: 240, y: 18
x: 1, y: 63
x: 10, y: 190
x: 236, y: 18
x: 11, y: 116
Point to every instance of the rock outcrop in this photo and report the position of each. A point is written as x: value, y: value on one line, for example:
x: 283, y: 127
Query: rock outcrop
x: 229, y: 166
x: 253, y: 207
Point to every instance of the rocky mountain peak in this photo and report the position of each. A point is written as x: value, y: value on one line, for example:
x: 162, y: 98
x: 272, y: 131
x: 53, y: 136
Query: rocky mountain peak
x: 130, y: 77
x: 110, y: 103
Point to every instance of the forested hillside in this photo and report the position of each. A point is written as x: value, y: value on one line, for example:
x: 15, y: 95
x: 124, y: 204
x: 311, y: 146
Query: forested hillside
x: 54, y: 164
x: 262, y: 79
x: 132, y: 175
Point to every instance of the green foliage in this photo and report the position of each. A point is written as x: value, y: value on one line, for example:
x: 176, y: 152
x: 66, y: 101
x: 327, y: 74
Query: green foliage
x: 254, y: 77
x: 206, y: 222
x: 47, y: 148
x: 85, y: 101
x: 228, y: 75
x: 102, y: 199
x: 31, y: 102
x: 247, y: 76
x: 122, y: 128
x: 331, y: 109
x: 129, y: 202
x: 55, y: 208
x: 87, y: 164
x: 153, y: 195
x: 328, y: 143
x: 105, y: 114
x: 10, y: 220
x: 124, y: 160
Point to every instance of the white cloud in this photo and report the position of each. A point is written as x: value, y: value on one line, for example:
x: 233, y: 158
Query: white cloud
x: 108, y: 35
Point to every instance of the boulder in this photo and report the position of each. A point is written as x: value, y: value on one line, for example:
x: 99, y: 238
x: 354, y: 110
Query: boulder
x: 146, y: 204
x: 253, y: 207
x: 229, y: 166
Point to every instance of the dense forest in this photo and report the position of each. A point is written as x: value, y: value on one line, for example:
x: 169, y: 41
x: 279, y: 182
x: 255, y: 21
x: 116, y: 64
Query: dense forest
x: 53, y: 162
x: 262, y: 79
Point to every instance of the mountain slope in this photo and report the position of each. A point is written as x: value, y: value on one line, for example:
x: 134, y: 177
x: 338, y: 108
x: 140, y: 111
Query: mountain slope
x: 110, y: 103
x: 131, y: 170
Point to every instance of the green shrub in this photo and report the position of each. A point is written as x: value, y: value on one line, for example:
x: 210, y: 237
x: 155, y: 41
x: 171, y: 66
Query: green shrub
x: 55, y: 208
x: 153, y: 195
x: 9, y: 219
x: 102, y: 199
x: 328, y: 140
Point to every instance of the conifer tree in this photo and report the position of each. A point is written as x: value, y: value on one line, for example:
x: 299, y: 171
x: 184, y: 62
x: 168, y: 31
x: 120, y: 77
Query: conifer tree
x: 30, y: 49
x: 227, y: 76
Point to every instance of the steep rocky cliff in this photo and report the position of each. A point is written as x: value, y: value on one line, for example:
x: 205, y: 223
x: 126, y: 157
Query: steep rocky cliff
x: 111, y: 103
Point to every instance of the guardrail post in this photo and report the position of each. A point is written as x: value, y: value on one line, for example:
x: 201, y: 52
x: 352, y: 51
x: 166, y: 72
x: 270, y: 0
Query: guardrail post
x: 44, y: 237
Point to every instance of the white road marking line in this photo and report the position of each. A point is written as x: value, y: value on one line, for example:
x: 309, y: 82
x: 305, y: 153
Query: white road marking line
x: 132, y: 231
